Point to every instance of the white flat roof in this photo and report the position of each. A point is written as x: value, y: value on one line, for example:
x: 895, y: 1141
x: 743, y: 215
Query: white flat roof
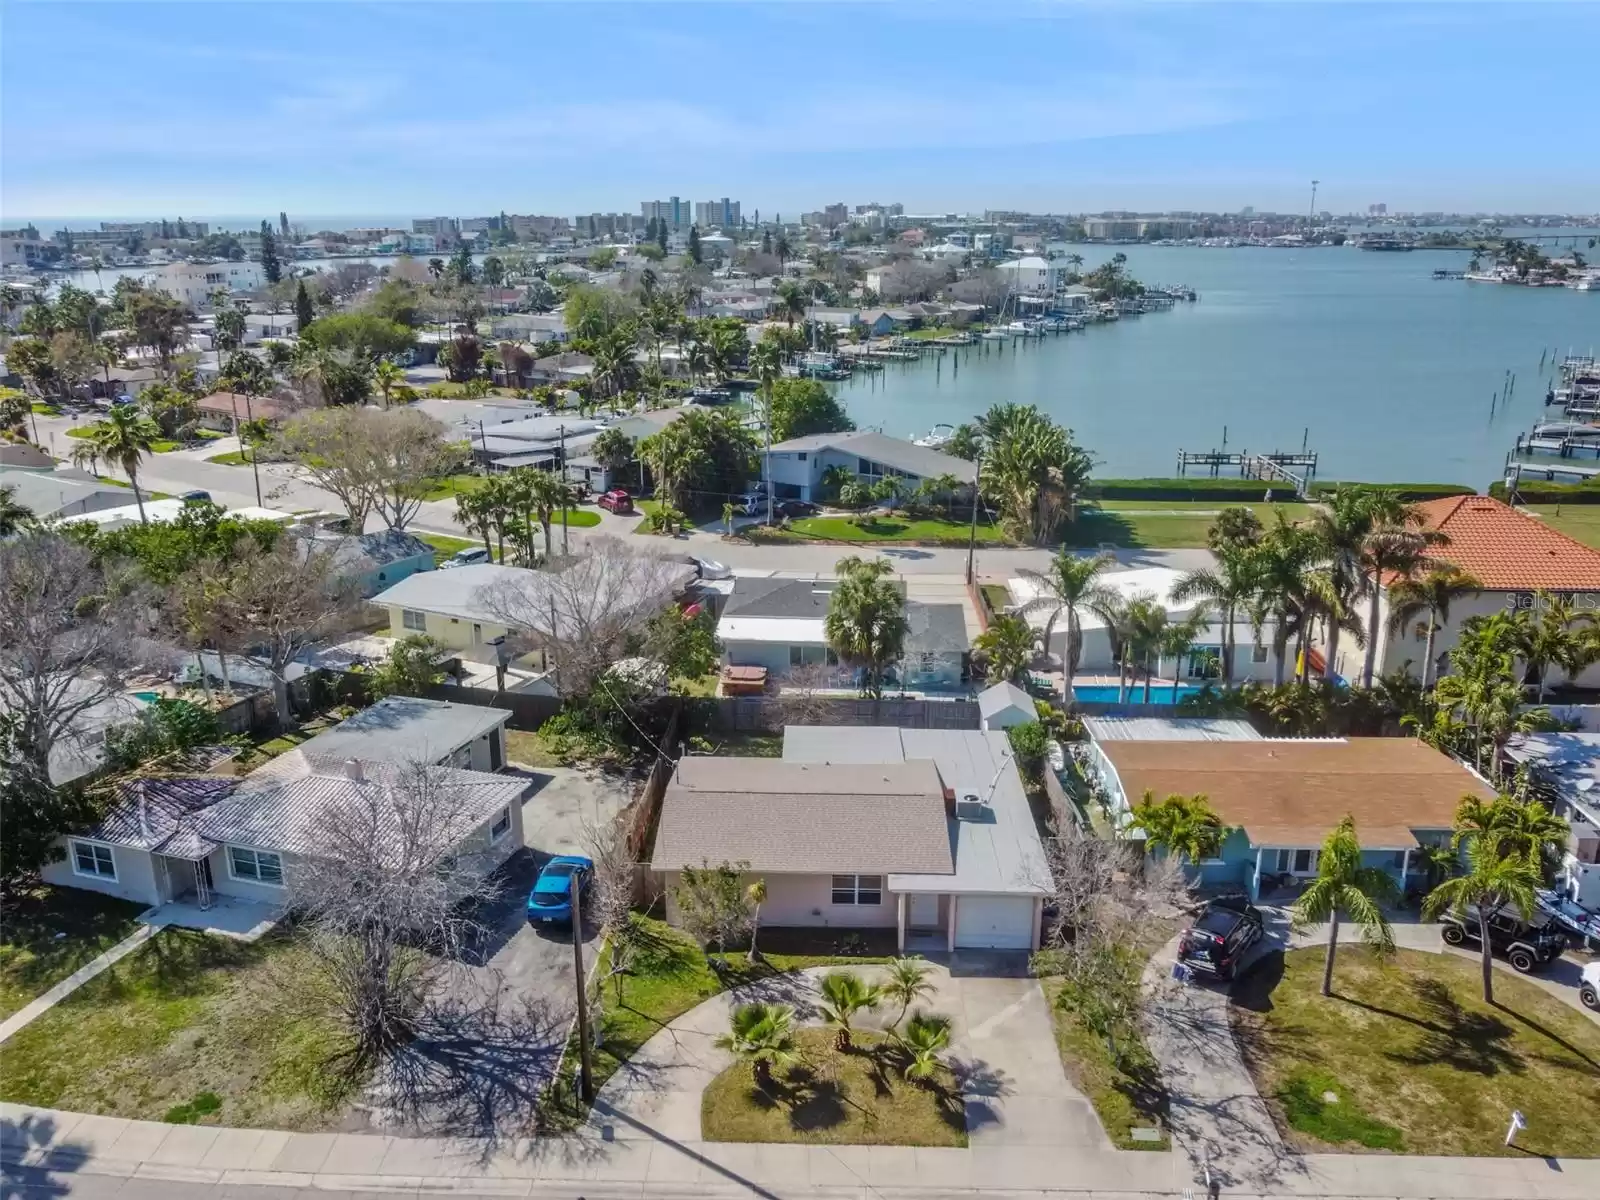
x: 787, y: 631
x: 1154, y: 581
x: 1000, y: 854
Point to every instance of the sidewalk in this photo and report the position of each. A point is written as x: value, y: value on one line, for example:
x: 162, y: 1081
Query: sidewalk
x: 37, y: 1007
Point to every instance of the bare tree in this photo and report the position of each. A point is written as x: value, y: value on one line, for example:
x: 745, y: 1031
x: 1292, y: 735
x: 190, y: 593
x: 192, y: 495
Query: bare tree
x: 805, y: 695
x: 66, y: 633
x: 373, y: 461
x: 276, y: 604
x: 584, y: 609
x: 385, y: 896
x: 610, y: 902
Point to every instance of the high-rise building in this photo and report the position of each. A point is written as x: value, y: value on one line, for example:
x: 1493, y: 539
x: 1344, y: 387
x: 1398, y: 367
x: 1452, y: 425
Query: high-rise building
x: 1378, y: 210
x: 836, y: 214
x: 444, y: 230
x: 716, y: 214
x: 674, y: 212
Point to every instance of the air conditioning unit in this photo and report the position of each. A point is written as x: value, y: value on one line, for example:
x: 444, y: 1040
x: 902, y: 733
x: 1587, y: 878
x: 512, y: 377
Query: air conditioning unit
x: 970, y: 806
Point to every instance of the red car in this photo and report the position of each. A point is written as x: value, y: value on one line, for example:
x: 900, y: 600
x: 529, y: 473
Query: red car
x: 616, y: 501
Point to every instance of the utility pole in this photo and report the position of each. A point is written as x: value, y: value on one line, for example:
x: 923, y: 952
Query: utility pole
x: 972, y: 537
x: 585, y: 1076
x: 561, y: 465
x: 767, y: 458
x: 254, y: 469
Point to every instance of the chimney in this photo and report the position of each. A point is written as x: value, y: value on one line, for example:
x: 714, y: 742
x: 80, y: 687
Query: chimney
x: 352, y: 770
x: 949, y: 802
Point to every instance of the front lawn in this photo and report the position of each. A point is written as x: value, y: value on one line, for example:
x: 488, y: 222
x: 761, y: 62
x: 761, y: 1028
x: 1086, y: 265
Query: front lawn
x: 1166, y: 524
x: 187, y: 1028
x: 895, y: 528
x: 159, y: 446
x: 445, y: 546
x: 670, y: 975
x: 454, y: 485
x: 1581, y: 522
x: 234, y: 458
x: 859, y: 1097
x: 49, y: 932
x: 1406, y: 1057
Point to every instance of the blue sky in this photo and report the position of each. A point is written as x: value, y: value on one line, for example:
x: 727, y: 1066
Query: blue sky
x: 334, y: 108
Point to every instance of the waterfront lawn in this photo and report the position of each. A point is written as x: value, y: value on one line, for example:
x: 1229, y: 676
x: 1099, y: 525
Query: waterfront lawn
x: 896, y: 528
x: 188, y: 1027
x: 1581, y: 522
x: 1417, y: 1061
x: 49, y: 932
x: 859, y: 1097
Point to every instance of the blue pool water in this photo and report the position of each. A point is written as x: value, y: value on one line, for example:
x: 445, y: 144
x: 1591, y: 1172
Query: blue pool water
x: 151, y: 697
x: 1106, y: 693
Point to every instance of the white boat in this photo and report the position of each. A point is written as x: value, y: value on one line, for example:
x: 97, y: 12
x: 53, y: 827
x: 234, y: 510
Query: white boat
x: 995, y: 335
x: 937, y: 438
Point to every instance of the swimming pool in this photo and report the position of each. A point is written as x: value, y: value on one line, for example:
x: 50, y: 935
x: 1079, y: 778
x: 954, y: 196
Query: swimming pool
x: 152, y: 697
x: 1106, y: 693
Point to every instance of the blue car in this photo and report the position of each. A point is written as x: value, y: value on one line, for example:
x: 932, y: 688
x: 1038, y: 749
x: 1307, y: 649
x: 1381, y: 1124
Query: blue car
x: 550, y: 902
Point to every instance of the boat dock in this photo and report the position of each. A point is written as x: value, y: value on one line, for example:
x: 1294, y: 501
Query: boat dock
x: 1296, y: 469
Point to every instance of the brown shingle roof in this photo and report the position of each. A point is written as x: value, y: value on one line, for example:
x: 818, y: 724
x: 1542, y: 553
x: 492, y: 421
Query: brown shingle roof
x: 805, y: 817
x: 233, y: 404
x: 1509, y: 550
x: 1293, y: 793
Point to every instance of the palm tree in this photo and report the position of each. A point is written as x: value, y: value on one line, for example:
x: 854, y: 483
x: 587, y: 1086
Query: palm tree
x: 1227, y: 588
x: 756, y: 896
x: 1395, y: 546
x: 86, y: 454
x: 1008, y: 646
x: 1342, y: 525
x: 866, y: 622
x: 1546, y: 637
x: 1527, y: 827
x: 13, y: 514
x: 1071, y: 585
x: 613, y: 449
x: 1283, y: 558
x: 926, y: 1036
x: 1183, y: 825
x: 791, y: 303
x: 1432, y: 595
x: 1495, y: 876
x: 1343, y: 885
x: 123, y: 439
x: 906, y: 984
x: 540, y: 494
x: 472, y: 514
x: 388, y: 376
x: 1178, y: 639
x: 843, y: 995
x: 763, y: 1036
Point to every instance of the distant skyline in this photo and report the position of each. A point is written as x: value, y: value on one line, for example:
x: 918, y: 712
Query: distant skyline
x: 340, y: 109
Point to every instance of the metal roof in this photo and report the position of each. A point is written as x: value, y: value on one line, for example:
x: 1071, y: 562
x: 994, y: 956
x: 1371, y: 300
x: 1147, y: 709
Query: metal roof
x: 1002, y: 696
x: 1169, y: 729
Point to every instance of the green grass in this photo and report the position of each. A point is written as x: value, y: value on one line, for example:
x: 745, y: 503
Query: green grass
x: 858, y: 1097
x: 454, y: 485
x: 938, y: 331
x: 445, y: 546
x: 188, y: 1027
x: 998, y: 596
x: 670, y: 975
x: 33, y: 955
x: 122, y: 483
x: 234, y: 458
x: 268, y: 746
x: 744, y: 745
x: 893, y: 529
x: 159, y: 446
x: 43, y: 409
x: 1416, y: 1058
x: 528, y: 748
x: 1164, y: 524
x: 82, y: 431
x: 1581, y: 522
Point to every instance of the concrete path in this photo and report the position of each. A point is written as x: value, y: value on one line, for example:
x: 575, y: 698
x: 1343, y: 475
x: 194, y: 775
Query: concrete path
x: 35, y: 1009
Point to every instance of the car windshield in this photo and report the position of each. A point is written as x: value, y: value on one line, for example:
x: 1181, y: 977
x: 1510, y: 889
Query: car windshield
x: 558, y: 870
x: 1217, y: 921
x: 549, y: 899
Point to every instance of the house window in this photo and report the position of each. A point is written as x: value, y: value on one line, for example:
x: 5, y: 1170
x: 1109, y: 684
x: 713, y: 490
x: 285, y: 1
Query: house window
x: 1305, y: 862
x: 858, y: 889
x: 91, y: 858
x: 412, y: 619
x: 811, y: 656
x: 255, y: 866
x: 501, y: 826
x: 1258, y: 654
x: 801, y: 456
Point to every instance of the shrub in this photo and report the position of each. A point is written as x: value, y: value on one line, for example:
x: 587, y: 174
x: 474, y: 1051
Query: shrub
x: 1411, y: 493
x: 1029, y: 744
x: 1541, y: 492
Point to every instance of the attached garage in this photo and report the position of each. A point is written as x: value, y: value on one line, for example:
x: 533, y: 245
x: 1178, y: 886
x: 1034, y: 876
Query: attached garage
x: 994, y: 922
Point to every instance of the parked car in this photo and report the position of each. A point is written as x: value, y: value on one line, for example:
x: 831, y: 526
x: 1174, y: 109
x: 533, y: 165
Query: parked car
x: 197, y: 496
x: 616, y: 501
x: 1589, y: 986
x: 467, y: 558
x: 710, y: 568
x: 1528, y: 945
x: 550, y: 901
x: 1218, y: 940
x: 793, y: 509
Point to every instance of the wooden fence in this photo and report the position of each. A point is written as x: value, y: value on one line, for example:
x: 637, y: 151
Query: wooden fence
x: 527, y: 712
x: 749, y: 714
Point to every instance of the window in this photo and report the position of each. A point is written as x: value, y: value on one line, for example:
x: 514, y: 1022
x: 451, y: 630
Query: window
x: 858, y: 889
x: 91, y: 858
x: 801, y: 456
x: 477, y: 634
x: 1258, y: 654
x: 501, y: 826
x: 412, y: 619
x: 810, y: 656
x: 255, y: 866
x: 1305, y: 862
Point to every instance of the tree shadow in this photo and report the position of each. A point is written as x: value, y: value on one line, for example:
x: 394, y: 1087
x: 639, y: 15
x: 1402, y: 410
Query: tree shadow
x: 32, y: 1159
x: 1555, y: 1037
x: 1453, y: 1036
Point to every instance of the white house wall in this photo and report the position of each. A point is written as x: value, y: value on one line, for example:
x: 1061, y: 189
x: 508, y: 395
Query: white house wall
x: 805, y: 901
x: 771, y: 655
x: 135, y: 881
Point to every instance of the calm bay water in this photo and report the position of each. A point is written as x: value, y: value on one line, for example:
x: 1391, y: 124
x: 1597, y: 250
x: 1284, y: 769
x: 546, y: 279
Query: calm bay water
x: 1385, y: 372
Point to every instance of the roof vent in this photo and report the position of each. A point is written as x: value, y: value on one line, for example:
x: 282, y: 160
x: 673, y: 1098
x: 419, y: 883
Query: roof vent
x: 971, y: 807
x: 353, y: 771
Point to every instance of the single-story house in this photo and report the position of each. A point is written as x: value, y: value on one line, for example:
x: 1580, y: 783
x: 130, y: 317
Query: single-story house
x: 798, y: 465
x: 156, y: 511
x: 401, y: 729
x: 1567, y: 766
x: 779, y: 624
x: 1252, y: 658
x: 448, y: 606
x: 926, y: 832
x: 1281, y: 798
x: 529, y: 327
x: 226, y: 410
x: 1513, y: 556
x: 374, y: 560
x: 1005, y: 705
x: 61, y: 494
x: 191, y: 838
x: 25, y: 456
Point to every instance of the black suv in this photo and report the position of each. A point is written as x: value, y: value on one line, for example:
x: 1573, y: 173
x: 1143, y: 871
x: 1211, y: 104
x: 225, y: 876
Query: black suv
x: 1528, y: 945
x: 1218, y: 940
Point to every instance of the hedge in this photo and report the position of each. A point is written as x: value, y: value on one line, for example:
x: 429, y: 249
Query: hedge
x: 1252, y: 490
x: 1540, y: 492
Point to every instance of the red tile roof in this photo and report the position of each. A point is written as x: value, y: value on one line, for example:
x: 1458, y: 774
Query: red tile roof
x: 1507, y: 550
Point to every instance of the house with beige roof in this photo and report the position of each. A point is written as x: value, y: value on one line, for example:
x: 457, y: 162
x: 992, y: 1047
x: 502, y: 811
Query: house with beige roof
x: 926, y: 832
x: 1513, y: 556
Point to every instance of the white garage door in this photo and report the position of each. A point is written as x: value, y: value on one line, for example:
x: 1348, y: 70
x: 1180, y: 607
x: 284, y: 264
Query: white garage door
x: 994, y: 922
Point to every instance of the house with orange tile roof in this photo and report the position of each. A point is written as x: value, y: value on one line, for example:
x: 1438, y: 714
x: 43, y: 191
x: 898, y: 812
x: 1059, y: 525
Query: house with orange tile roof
x: 1514, y: 556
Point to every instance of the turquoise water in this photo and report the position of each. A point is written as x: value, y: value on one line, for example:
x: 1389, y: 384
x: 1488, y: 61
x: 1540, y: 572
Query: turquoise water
x: 1385, y: 372
x: 1106, y: 693
x: 147, y: 697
